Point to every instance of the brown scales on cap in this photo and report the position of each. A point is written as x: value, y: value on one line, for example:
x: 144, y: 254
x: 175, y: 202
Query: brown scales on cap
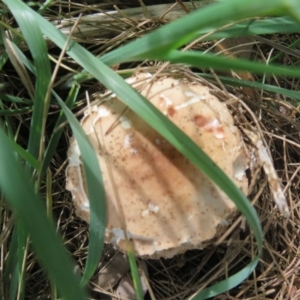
x: 169, y: 205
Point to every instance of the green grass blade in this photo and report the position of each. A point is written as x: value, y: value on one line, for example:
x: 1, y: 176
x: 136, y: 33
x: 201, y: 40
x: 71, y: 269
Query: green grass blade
x: 30, y: 211
x: 185, y: 29
x: 44, y: 6
x: 14, y: 282
x: 3, y: 56
x: 10, y: 98
x: 280, y: 54
x: 16, y: 111
x: 53, y: 142
x: 254, y: 27
x: 135, y: 276
x: 96, y: 195
x: 22, y: 255
x: 29, y: 65
x: 228, y: 283
x: 10, y: 277
x: 24, y: 154
x: 38, y: 48
x: 254, y: 84
x: 173, y: 35
x: 195, y: 58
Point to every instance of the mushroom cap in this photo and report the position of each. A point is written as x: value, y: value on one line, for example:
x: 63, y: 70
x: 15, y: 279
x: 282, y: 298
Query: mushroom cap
x: 169, y: 205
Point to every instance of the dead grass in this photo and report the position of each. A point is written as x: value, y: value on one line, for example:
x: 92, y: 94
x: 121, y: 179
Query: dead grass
x: 273, y: 116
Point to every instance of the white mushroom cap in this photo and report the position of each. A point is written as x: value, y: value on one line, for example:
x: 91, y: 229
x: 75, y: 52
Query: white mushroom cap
x: 168, y: 204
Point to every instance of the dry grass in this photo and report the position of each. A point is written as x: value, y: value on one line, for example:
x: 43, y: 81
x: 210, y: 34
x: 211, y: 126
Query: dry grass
x: 274, y: 117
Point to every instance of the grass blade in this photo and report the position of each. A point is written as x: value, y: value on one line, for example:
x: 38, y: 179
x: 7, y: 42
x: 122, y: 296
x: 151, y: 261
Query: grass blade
x: 254, y: 84
x: 185, y: 29
x: 30, y: 211
x: 135, y: 275
x: 38, y: 49
x: 254, y: 27
x: 22, y: 255
x: 96, y: 195
x: 248, y: 28
x: 10, y: 277
x: 53, y: 142
x: 228, y: 283
x: 13, y: 99
x: 15, y: 112
x: 24, y: 154
x: 195, y: 58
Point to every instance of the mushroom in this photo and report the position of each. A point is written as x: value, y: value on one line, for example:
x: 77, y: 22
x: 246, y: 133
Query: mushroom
x: 169, y: 205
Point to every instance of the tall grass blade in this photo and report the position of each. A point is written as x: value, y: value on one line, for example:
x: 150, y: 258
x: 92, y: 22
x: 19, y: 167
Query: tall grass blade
x: 39, y: 52
x: 253, y: 27
x: 228, y: 283
x: 53, y: 142
x: 10, y: 277
x: 15, y: 112
x: 254, y: 84
x: 198, y: 59
x: 22, y: 255
x: 25, y: 155
x: 135, y: 276
x: 185, y: 29
x: 13, y: 99
x: 32, y: 213
x: 96, y: 194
